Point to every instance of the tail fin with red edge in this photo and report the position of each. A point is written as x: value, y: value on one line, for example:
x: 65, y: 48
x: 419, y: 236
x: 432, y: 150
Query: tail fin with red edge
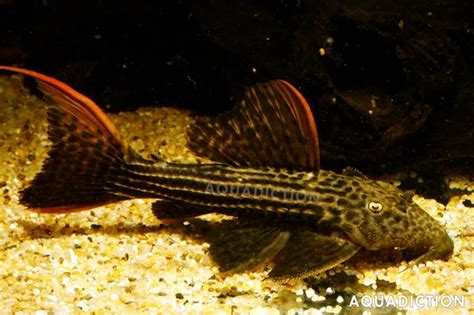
x: 86, y: 152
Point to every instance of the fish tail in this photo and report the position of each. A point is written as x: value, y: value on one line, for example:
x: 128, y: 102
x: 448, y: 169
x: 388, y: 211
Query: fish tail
x: 86, y: 156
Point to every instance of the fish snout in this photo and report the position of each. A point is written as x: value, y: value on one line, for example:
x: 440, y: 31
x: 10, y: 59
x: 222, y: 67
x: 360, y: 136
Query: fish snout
x: 442, y: 249
x: 429, y: 239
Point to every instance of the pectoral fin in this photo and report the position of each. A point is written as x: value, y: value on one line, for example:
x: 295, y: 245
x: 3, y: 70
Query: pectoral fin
x: 307, y: 253
x: 238, y: 247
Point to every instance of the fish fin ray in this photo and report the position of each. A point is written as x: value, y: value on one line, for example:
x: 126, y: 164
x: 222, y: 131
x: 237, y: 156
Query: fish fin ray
x: 307, y: 253
x: 272, y: 126
x: 351, y: 171
x: 238, y: 247
x: 71, y: 102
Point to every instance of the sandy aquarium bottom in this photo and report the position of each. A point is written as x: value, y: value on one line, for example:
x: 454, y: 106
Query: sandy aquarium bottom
x: 119, y: 258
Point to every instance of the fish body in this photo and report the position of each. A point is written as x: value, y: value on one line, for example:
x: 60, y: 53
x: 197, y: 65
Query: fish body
x: 264, y: 173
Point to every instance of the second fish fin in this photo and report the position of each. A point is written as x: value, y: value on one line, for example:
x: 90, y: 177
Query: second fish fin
x: 238, y: 247
x: 307, y: 253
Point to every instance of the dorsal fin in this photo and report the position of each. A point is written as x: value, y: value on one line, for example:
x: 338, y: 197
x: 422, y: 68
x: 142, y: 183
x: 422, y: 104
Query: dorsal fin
x: 351, y: 171
x: 272, y: 126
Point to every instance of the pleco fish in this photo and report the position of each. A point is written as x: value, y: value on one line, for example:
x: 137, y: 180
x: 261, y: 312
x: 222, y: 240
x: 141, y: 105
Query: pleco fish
x: 265, y: 173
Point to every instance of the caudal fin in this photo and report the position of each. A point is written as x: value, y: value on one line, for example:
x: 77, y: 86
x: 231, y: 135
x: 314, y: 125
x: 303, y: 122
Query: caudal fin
x: 86, y: 153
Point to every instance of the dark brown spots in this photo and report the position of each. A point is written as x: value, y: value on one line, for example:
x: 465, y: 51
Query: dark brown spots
x: 389, y: 220
x: 342, y: 202
x: 317, y: 208
x: 404, y: 224
x: 348, y: 189
x: 74, y: 120
x: 351, y: 215
x: 416, y: 214
x: 404, y: 210
x: 86, y: 135
x: 325, y: 182
x: 360, y: 204
x: 335, y: 220
x: 386, y: 215
x: 384, y: 228
x: 356, y: 221
x: 329, y: 199
x: 395, y: 229
x: 74, y: 138
x: 367, y: 227
x: 99, y: 145
x: 334, y: 211
x: 355, y: 184
x: 353, y: 196
x: 340, y: 183
x: 70, y: 128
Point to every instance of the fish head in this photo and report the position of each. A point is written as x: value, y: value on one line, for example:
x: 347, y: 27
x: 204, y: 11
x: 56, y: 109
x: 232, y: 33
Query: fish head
x: 383, y: 217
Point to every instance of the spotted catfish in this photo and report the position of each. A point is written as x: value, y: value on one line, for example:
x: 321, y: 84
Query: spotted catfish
x: 264, y: 173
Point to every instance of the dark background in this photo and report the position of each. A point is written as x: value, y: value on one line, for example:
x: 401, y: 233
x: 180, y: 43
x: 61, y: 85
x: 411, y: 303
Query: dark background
x: 413, y: 59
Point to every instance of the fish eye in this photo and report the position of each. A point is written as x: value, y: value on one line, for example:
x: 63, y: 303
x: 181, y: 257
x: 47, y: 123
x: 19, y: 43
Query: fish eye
x: 375, y: 206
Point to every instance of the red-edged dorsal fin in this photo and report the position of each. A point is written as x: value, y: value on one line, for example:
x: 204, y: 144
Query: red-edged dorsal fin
x: 272, y: 126
x: 86, y: 153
